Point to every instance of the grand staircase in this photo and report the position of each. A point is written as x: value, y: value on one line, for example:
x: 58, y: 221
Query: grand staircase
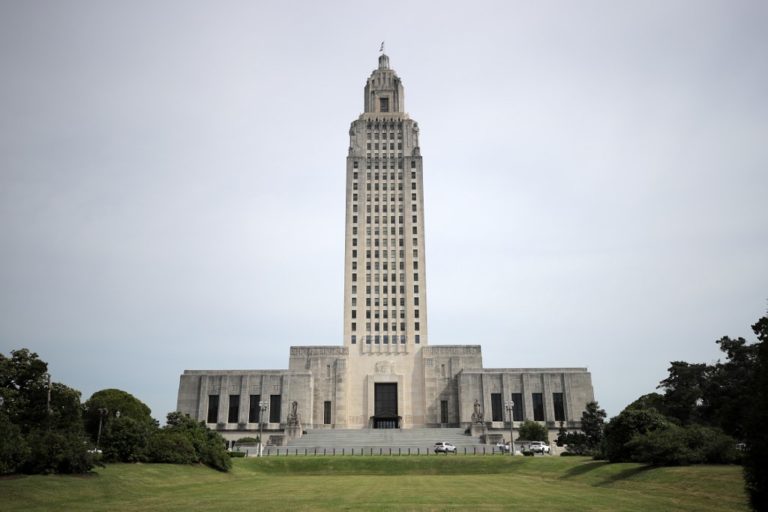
x: 378, y: 441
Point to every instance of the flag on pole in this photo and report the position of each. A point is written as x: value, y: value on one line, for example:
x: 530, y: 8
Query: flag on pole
x: 382, y: 47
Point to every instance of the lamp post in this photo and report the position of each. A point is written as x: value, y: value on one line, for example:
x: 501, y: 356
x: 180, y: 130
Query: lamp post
x: 510, y: 405
x: 103, y: 411
x: 262, y: 410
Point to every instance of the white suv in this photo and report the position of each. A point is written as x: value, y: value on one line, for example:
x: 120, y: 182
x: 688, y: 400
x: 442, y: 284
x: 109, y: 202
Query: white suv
x: 441, y: 447
x: 539, y: 447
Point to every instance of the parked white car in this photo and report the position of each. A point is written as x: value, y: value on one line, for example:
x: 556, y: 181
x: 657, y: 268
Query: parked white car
x: 441, y: 447
x: 539, y: 447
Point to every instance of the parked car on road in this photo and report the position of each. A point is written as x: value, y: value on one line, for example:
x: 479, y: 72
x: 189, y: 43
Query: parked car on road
x: 442, y: 447
x: 539, y: 447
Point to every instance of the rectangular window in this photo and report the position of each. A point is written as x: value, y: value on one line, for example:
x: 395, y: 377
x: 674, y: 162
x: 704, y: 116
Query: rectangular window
x: 559, y: 405
x: 234, y: 408
x: 254, y: 412
x: 538, y: 407
x: 443, y: 411
x: 417, y: 338
x: 496, y: 410
x: 384, y: 104
x: 274, y: 408
x: 327, y: 412
x: 517, y: 409
x: 213, y: 408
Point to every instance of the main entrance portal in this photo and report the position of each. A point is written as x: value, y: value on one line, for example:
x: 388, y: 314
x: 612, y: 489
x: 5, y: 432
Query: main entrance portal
x: 385, y: 406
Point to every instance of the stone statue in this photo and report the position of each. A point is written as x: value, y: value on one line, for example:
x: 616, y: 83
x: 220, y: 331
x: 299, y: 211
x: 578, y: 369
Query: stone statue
x: 293, y: 416
x: 477, y: 416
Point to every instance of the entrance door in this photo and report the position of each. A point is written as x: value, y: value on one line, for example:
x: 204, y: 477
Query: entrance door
x: 385, y: 406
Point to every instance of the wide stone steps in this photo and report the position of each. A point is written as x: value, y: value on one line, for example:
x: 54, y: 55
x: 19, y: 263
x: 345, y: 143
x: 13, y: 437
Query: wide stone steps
x: 419, y: 438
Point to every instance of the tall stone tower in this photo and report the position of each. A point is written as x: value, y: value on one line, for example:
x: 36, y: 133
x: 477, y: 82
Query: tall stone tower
x: 385, y: 375
x: 385, y: 299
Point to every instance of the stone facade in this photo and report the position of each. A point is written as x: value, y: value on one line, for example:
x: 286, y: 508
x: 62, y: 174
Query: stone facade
x: 385, y: 374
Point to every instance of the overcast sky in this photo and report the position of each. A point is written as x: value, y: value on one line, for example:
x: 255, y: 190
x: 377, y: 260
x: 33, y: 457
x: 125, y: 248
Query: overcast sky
x: 172, y: 181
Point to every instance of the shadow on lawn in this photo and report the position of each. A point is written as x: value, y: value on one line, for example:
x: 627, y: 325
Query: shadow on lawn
x: 587, y: 467
x: 584, y: 468
x: 623, y: 475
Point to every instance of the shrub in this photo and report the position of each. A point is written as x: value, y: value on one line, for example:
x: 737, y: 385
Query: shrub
x: 126, y: 440
x: 171, y: 447
x: 57, y: 452
x: 209, y: 446
x: 13, y: 447
x: 532, y: 431
x: 248, y: 440
x: 673, y: 445
x: 624, y: 427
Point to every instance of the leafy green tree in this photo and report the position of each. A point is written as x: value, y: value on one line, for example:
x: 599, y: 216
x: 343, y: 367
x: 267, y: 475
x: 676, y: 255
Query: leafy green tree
x: 730, y: 381
x: 210, y: 446
x: 673, y: 445
x: 58, y: 451
x: 23, y: 387
x: 119, y: 404
x: 575, y: 442
x: 40, y: 422
x: 649, y: 401
x: 126, y: 424
x: 684, y: 391
x: 755, y: 467
x: 126, y: 439
x: 171, y: 447
x: 13, y: 446
x: 593, y: 425
x: 533, y: 431
x: 624, y: 427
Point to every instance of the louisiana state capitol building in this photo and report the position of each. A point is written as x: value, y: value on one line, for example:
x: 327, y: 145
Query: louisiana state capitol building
x: 385, y: 374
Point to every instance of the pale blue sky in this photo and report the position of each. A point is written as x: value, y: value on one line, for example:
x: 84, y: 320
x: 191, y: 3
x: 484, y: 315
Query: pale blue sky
x: 172, y: 181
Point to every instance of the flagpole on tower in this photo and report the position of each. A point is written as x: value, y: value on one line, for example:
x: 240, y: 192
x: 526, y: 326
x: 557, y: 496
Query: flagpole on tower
x: 381, y: 50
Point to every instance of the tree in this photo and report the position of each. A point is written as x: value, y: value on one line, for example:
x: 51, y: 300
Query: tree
x: 13, y: 446
x: 40, y: 421
x: 167, y: 446
x: 575, y: 442
x: 113, y: 400
x: 593, y: 424
x: 209, y: 446
x: 624, y: 427
x: 532, y: 431
x: 684, y: 391
x: 126, y: 439
x: 126, y: 424
x: 23, y: 387
x: 649, y: 401
x: 729, y: 383
x: 673, y: 445
x: 755, y: 467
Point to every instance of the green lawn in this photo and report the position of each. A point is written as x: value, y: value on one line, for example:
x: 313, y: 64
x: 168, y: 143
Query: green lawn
x: 385, y: 483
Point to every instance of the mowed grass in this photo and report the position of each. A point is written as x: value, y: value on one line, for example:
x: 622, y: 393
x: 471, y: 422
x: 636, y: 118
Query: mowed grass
x: 385, y: 483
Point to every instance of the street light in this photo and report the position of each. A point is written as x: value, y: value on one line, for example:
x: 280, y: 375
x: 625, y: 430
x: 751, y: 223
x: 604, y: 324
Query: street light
x: 510, y: 405
x: 262, y: 410
x: 103, y: 411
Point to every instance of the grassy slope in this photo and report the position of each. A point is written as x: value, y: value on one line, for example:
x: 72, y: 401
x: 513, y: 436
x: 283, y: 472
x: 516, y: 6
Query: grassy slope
x: 374, y: 483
